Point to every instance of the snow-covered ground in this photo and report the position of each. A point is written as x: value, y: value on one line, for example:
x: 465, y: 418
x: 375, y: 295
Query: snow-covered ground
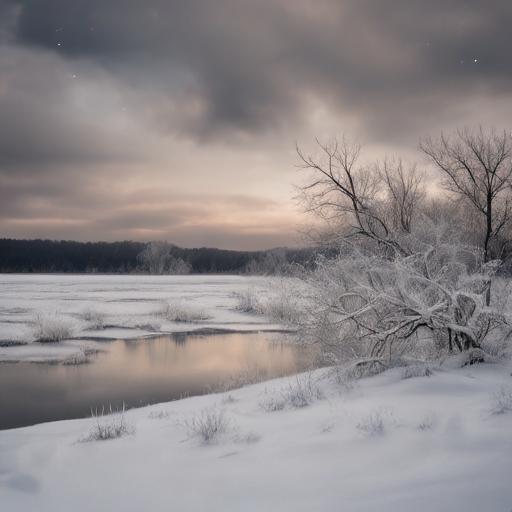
x: 129, y: 306
x: 384, y: 443
x: 440, y: 448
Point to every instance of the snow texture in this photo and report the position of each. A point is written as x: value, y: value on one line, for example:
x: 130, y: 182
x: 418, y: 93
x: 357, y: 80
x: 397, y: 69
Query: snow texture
x: 109, y: 307
x: 387, y: 443
x: 438, y: 446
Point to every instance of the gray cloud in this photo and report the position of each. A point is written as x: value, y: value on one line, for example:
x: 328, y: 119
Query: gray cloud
x: 246, y: 66
x: 101, y: 101
x: 45, y: 117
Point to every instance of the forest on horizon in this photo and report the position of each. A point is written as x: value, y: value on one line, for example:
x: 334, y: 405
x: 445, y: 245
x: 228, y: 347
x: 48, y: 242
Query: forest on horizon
x: 54, y: 256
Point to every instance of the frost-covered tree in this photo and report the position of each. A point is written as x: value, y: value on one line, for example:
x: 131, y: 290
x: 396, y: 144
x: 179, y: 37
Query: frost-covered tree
x: 156, y: 258
x: 178, y: 266
x: 375, y: 202
x: 401, y: 279
x: 477, y: 166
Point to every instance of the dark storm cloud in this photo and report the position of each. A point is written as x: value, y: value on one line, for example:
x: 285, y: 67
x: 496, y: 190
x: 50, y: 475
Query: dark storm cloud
x: 247, y: 66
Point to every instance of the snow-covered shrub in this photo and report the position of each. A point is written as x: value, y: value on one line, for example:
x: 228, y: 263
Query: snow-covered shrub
x: 341, y: 377
x: 179, y: 312
x: 283, y: 303
x: 159, y: 415
x: 281, y: 309
x: 280, y: 301
x: 109, y: 426
x: 51, y: 326
x: 208, y: 425
x: 303, y: 391
x: 247, y: 301
x: 94, y: 318
x: 498, y: 343
x: 249, y: 437
x: 366, y: 305
x: 228, y: 399
x: 498, y: 347
x: 373, y: 423
x: 147, y: 324
x: 299, y: 392
x: 502, y: 400
x: 271, y: 401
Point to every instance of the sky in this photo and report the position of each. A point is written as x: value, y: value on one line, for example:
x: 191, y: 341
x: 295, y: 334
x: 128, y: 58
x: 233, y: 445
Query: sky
x: 178, y: 120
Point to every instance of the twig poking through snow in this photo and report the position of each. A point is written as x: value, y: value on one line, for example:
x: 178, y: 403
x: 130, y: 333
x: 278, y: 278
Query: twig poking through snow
x: 109, y: 426
x: 177, y: 312
x: 208, y: 425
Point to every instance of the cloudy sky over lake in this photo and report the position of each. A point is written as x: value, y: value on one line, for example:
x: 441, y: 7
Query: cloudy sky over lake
x: 177, y: 119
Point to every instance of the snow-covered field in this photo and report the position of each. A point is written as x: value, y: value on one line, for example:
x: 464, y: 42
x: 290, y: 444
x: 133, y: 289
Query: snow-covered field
x: 129, y: 306
x: 440, y: 448
x: 437, y: 443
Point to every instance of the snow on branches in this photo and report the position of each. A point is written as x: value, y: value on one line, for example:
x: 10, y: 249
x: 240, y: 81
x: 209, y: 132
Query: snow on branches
x: 370, y: 306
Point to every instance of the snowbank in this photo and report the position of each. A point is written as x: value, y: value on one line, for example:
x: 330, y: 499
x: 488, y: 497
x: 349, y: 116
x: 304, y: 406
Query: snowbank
x: 438, y: 447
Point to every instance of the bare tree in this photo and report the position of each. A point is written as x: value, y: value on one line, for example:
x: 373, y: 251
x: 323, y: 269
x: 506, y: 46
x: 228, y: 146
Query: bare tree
x: 374, y: 202
x: 452, y: 219
x: 477, y: 166
x: 405, y: 192
x: 378, y: 305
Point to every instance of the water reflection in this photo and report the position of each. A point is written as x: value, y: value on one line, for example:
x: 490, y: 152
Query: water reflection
x: 137, y: 372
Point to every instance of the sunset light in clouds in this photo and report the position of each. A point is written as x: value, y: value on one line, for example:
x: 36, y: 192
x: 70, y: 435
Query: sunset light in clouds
x: 178, y: 120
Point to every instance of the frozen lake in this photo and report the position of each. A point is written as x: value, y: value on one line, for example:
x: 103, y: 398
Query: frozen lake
x: 138, y: 372
x: 129, y: 305
x: 138, y: 357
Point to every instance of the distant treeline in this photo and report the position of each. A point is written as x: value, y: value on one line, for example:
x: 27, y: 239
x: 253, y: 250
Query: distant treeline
x: 43, y: 256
